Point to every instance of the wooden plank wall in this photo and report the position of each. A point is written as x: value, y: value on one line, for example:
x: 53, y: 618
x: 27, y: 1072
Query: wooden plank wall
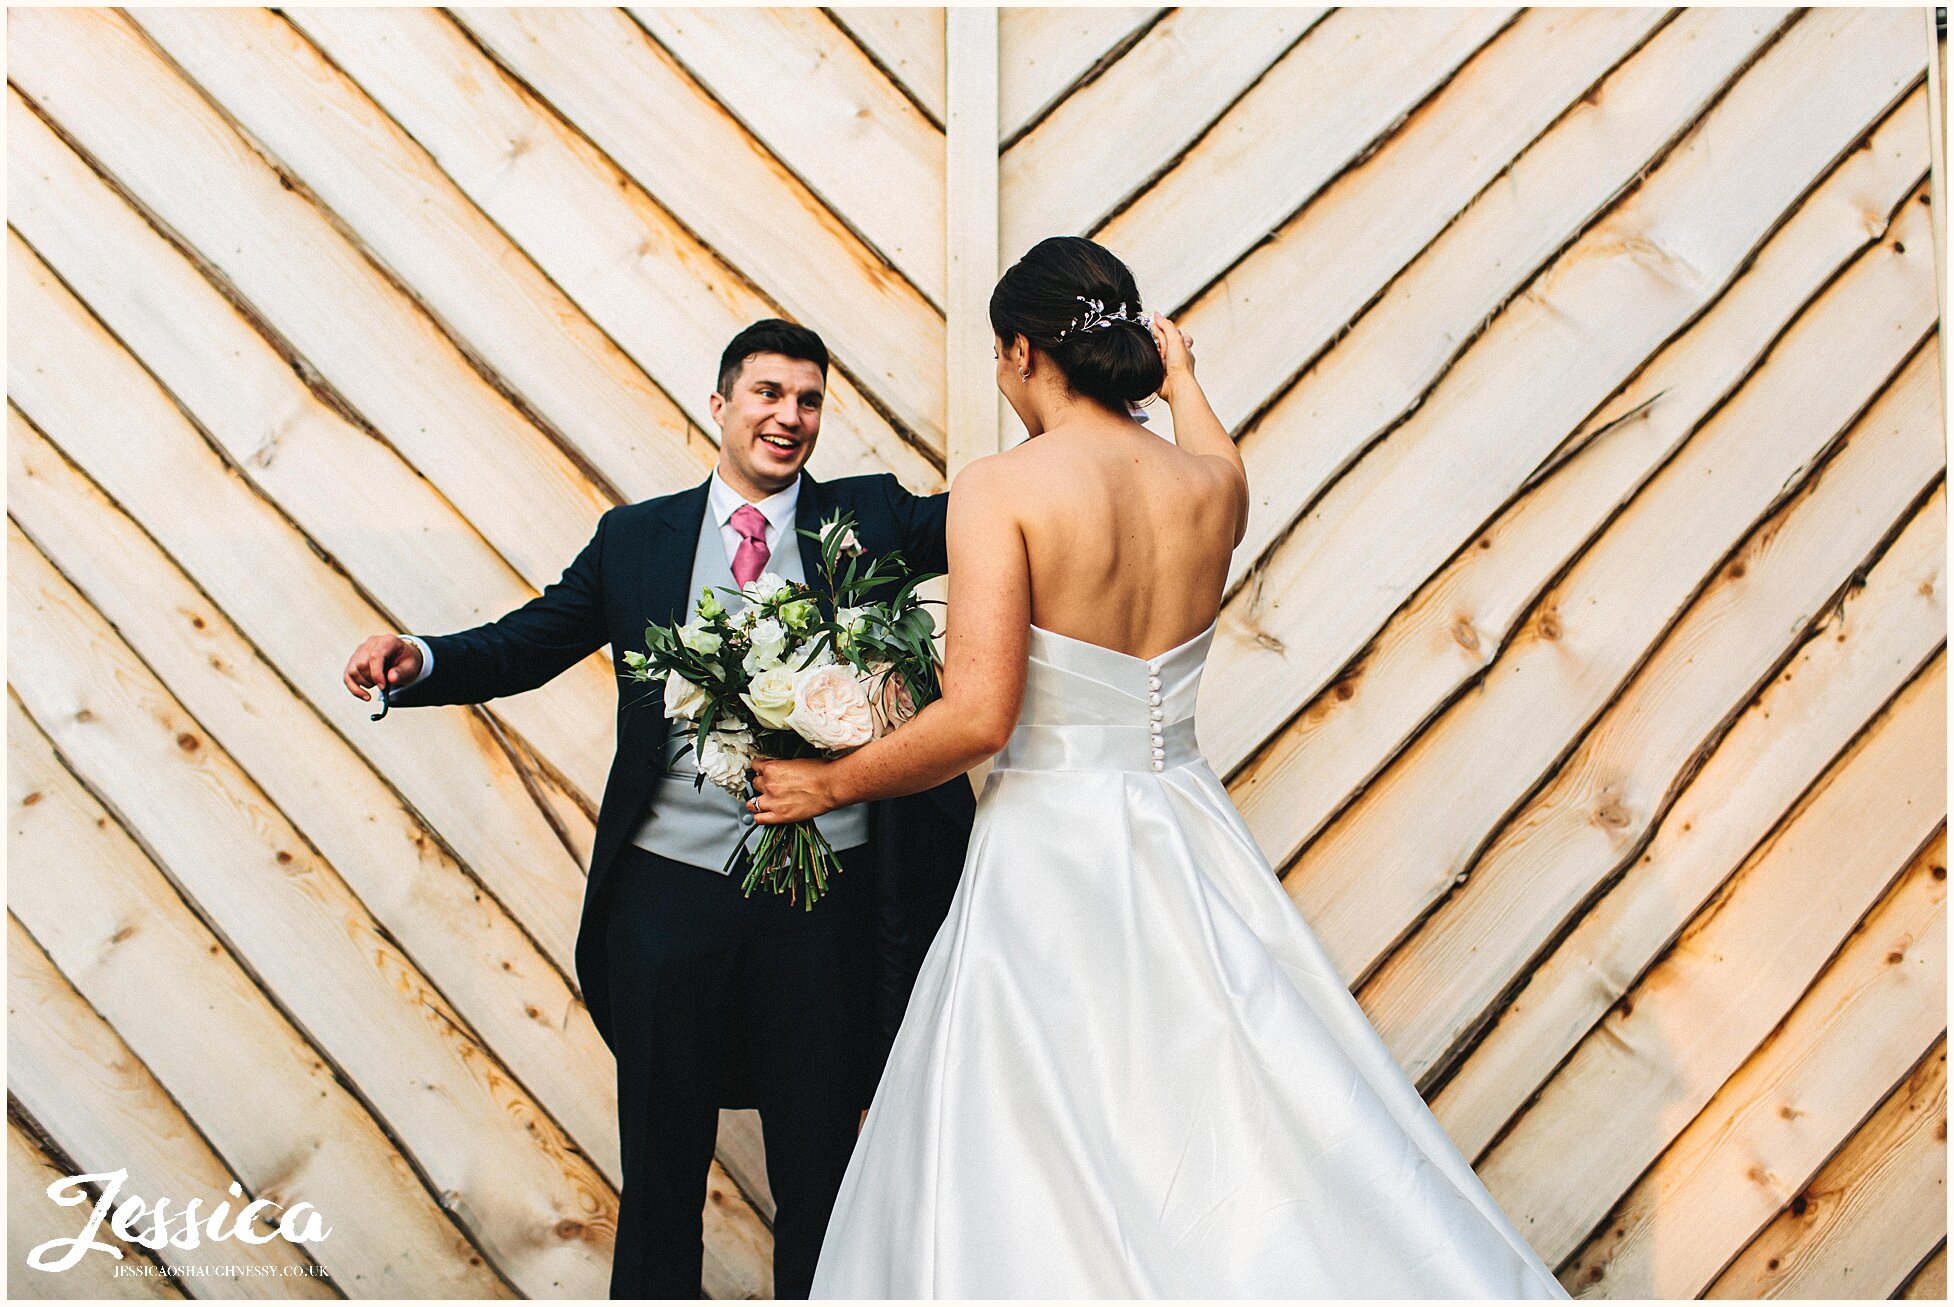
x: 1583, y: 671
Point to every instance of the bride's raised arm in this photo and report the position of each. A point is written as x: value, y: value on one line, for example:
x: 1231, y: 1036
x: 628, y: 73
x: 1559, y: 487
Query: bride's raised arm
x: 1196, y: 428
x: 988, y: 624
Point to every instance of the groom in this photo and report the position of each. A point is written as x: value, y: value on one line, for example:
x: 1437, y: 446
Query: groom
x: 710, y: 999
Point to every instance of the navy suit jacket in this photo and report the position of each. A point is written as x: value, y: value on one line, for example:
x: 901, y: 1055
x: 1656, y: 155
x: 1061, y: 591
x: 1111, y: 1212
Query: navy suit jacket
x: 637, y: 569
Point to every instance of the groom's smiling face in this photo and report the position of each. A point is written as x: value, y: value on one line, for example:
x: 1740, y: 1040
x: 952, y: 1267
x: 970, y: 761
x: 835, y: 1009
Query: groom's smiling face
x: 769, y: 421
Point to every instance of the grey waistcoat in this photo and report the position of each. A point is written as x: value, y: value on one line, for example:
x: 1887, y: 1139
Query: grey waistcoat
x: 701, y: 826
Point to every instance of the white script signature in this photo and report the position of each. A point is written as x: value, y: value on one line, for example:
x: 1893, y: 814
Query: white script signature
x: 299, y: 1223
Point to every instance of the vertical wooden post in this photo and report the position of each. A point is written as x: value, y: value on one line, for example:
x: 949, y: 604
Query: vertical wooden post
x: 970, y: 37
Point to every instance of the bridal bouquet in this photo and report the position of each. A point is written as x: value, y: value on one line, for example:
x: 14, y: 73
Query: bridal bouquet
x: 796, y: 672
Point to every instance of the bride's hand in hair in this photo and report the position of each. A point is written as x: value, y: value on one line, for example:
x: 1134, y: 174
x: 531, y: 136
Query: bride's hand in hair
x: 1176, y: 354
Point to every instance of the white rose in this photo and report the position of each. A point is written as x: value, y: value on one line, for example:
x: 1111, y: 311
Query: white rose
x: 771, y: 697
x: 831, y: 708
x: 683, y: 699
x: 763, y: 587
x: 769, y: 642
x: 725, y: 759
x: 694, y: 636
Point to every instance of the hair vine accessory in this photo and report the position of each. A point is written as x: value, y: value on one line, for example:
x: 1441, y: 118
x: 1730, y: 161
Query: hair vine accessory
x: 1096, y: 317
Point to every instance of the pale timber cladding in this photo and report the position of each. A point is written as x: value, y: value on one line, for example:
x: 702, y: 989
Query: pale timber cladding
x: 1582, y: 671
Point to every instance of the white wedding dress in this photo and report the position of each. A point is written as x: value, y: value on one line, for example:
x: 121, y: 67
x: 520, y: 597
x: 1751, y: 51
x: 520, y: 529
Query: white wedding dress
x: 1128, y: 1069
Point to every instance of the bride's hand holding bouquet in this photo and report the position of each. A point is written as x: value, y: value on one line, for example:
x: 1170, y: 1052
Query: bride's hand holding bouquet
x: 796, y: 672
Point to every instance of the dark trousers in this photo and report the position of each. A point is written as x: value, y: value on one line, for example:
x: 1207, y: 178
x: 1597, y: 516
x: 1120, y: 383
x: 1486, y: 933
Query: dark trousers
x: 719, y: 1001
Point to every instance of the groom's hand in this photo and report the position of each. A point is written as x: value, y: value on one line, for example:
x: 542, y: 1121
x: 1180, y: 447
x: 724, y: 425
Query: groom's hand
x: 382, y: 658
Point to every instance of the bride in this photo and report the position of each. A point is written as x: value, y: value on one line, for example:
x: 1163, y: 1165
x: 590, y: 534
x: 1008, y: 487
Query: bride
x: 1128, y: 1069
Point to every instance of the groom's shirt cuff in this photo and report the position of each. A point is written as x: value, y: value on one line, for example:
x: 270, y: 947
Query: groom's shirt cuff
x: 427, y: 660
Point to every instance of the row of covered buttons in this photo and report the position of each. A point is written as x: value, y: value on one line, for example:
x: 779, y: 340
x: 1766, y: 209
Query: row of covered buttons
x: 1153, y: 721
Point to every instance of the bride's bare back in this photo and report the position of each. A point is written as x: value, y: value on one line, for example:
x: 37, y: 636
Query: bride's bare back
x: 1126, y: 537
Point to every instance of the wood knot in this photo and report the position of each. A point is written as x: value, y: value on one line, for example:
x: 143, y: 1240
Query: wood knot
x: 187, y: 742
x: 569, y: 1228
x: 33, y: 797
x: 1612, y: 813
x: 197, y: 622
x: 1463, y: 632
x: 1344, y: 691
x: 1737, y: 570
x: 284, y: 858
x: 122, y: 934
x: 1897, y: 955
x: 1799, y: 1204
x: 83, y: 715
x: 1939, y: 872
x: 1550, y: 628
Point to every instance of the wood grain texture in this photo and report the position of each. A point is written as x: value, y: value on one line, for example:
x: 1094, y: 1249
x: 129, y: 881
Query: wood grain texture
x: 288, y: 600
x: 906, y: 43
x: 1539, y: 369
x: 1361, y: 375
x: 1354, y: 79
x: 33, y: 1219
x: 631, y: 99
x: 280, y: 254
x: 86, y: 1089
x: 424, y: 563
x: 1754, y: 1149
x: 1807, y: 717
x: 1045, y: 54
x: 860, y: 145
x: 1464, y: 616
x: 261, y: 1094
x: 1855, y: 1229
x: 669, y: 302
x: 1695, y: 1016
x: 1061, y: 179
x: 523, y: 332
x: 1582, y: 666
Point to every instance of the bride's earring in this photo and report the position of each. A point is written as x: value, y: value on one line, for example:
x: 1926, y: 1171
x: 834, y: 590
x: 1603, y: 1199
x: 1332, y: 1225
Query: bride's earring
x: 1024, y: 374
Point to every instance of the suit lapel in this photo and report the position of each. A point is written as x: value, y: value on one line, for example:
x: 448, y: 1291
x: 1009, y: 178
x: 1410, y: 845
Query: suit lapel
x: 808, y: 512
x: 665, y: 563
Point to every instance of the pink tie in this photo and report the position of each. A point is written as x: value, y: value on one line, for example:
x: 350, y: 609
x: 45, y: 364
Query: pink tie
x: 752, y: 556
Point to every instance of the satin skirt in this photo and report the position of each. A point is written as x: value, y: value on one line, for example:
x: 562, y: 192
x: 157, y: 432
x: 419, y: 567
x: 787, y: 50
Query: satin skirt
x: 1129, y: 1070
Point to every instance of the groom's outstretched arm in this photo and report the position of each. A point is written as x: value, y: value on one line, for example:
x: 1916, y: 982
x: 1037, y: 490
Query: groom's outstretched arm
x: 523, y: 648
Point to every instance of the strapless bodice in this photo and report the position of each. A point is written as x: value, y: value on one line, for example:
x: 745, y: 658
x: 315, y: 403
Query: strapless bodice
x: 1090, y: 708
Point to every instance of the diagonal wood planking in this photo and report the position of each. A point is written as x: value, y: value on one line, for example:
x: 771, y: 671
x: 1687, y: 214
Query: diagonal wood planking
x: 1542, y: 366
x: 906, y: 44
x: 262, y: 1094
x: 1476, y: 329
x: 668, y: 302
x: 1417, y: 829
x: 34, y: 1219
x: 1471, y: 608
x: 822, y: 108
x: 77, y: 1078
x: 630, y: 98
x: 525, y: 334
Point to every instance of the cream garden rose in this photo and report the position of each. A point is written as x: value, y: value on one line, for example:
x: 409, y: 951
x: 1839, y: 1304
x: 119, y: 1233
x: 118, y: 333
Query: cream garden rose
x: 771, y: 697
x: 831, y: 709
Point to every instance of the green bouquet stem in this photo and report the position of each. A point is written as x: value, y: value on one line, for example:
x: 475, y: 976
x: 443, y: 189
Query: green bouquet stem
x: 793, y: 858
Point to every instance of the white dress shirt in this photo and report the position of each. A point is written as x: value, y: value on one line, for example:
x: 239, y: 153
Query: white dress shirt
x: 722, y: 501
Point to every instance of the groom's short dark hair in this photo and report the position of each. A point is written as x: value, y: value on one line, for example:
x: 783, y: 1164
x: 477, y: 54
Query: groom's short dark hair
x: 770, y: 336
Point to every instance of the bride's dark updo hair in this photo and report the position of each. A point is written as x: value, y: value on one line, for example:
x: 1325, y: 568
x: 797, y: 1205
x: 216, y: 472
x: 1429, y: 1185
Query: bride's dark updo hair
x: 1045, y: 297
